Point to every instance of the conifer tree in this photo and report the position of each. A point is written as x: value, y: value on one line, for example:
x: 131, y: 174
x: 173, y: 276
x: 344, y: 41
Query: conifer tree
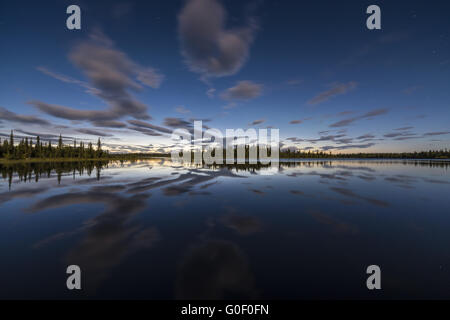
x: 99, y: 148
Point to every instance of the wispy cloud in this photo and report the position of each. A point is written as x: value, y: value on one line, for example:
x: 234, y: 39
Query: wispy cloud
x: 398, y: 134
x: 112, y: 75
x: 256, y: 122
x: 69, y: 113
x: 182, y: 109
x: 295, y: 139
x: 93, y: 132
x: 243, y: 90
x: 67, y: 79
x: 146, y: 131
x: 411, y: 90
x: 366, y: 136
x: 20, y: 118
x: 177, y: 123
x: 109, y: 124
x: 335, y: 90
x: 436, y: 133
x: 349, y: 146
x: 368, y: 115
x: 211, y: 92
x: 143, y: 124
x: 43, y: 136
x: 327, y: 138
x: 149, y: 77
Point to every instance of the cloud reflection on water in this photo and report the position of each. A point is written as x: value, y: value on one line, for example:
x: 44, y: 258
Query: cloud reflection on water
x: 206, y: 234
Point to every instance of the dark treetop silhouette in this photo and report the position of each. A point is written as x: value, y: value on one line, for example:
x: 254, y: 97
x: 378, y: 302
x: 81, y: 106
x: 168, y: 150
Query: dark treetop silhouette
x: 26, y: 149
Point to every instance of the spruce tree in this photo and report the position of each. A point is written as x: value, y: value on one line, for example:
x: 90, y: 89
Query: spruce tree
x: 99, y: 148
x: 11, y: 144
x: 60, y: 146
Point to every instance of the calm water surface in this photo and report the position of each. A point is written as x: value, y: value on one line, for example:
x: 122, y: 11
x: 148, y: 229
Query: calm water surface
x: 158, y: 230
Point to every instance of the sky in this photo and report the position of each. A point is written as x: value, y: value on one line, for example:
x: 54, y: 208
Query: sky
x: 136, y: 70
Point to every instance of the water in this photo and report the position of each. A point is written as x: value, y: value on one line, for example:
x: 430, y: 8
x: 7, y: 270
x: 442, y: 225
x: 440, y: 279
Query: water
x: 158, y: 230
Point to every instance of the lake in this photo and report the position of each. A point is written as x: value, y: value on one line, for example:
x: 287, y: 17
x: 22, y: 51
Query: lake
x: 154, y: 229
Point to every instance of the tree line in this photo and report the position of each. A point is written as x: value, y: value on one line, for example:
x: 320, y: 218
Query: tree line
x: 299, y: 154
x: 29, y: 149
x: 430, y: 154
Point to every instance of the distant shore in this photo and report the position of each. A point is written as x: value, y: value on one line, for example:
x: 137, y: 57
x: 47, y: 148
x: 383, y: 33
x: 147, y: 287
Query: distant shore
x: 118, y: 158
x: 147, y: 157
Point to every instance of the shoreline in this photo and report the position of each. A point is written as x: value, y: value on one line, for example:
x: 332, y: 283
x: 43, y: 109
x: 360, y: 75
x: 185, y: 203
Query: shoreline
x: 10, y: 161
x: 47, y: 160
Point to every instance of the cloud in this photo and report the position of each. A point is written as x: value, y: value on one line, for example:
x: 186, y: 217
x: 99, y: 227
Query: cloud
x: 177, y: 123
x: 230, y: 105
x: 295, y: 139
x: 327, y: 138
x: 349, y: 146
x: 366, y: 136
x: 147, y: 125
x: 110, y: 71
x: 411, y: 90
x: 109, y: 124
x: 182, y: 109
x: 398, y: 134
x: 345, y: 113
x: 93, y: 132
x: 19, y: 118
x: 343, y: 123
x: 406, y: 138
x: 374, y: 113
x: 295, y: 121
x: 199, y: 119
x: 344, y: 140
x: 42, y: 136
x: 67, y: 79
x: 148, y: 132
x: 428, y: 134
x: 256, y: 122
x: 243, y: 90
x: 370, y: 114
x: 211, y: 92
x: 404, y: 128
x: 69, y: 113
x: 336, y: 89
x: 112, y: 75
x: 150, y: 77
x: 207, y: 46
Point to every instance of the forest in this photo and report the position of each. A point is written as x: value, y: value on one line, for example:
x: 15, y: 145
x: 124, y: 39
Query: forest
x: 29, y: 149
x: 430, y: 154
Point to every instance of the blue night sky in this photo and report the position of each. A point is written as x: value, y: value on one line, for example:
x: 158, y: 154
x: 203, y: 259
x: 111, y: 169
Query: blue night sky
x: 137, y: 70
